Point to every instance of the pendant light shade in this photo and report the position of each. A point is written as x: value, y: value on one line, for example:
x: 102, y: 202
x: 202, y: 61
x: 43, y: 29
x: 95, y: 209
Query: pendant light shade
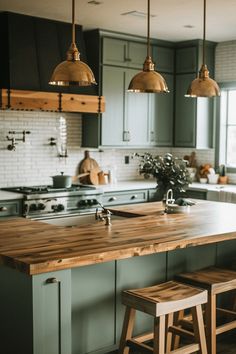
x: 203, y: 85
x: 72, y: 71
x: 148, y: 80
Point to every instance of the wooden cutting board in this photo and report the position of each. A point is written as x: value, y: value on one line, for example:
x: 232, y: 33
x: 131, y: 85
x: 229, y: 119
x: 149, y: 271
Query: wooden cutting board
x: 88, y: 164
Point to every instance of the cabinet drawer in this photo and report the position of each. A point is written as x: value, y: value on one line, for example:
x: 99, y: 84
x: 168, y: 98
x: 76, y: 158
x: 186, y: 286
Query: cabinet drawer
x: 10, y: 208
x: 137, y: 196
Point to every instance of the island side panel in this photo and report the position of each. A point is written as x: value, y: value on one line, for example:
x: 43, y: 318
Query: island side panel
x: 190, y: 259
x: 226, y: 254
x: 138, y: 272
x: 52, y: 312
x: 93, y: 308
x: 16, y: 316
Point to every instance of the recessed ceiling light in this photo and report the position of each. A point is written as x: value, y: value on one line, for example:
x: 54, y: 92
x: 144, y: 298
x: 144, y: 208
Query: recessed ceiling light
x: 137, y: 14
x: 189, y: 26
x: 94, y: 2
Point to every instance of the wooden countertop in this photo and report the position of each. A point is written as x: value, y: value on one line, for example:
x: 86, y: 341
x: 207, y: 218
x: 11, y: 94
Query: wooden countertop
x: 34, y: 247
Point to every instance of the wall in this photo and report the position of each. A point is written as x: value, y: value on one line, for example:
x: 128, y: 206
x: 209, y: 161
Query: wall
x: 33, y: 162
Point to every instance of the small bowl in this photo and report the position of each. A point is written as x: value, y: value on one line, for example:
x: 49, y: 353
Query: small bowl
x: 203, y: 180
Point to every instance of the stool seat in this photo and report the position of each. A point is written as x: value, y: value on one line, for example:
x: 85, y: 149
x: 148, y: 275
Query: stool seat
x: 216, y: 280
x: 161, y: 302
x: 164, y: 298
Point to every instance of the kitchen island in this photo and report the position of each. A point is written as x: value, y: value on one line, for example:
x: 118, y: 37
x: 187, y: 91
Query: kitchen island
x: 60, y: 283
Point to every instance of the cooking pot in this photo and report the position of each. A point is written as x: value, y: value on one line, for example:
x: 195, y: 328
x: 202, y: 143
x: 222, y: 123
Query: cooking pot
x: 62, y: 181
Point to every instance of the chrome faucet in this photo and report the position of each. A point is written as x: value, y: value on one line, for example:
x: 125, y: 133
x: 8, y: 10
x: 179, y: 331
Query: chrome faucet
x: 103, y: 215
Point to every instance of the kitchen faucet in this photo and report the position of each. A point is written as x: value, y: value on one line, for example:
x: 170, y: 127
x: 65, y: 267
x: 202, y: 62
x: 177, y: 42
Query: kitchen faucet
x: 104, y: 215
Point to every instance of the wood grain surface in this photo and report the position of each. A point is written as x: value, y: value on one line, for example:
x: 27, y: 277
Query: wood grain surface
x: 35, y: 247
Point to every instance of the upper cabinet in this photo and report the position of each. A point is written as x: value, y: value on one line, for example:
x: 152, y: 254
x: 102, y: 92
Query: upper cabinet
x: 193, y: 116
x: 32, y: 48
x: 130, y: 119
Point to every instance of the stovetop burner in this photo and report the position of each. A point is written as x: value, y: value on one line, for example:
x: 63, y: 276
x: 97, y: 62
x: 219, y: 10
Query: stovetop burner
x: 47, y: 189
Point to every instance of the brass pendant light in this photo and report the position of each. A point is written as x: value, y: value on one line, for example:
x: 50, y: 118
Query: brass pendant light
x: 148, y: 80
x: 203, y: 85
x: 72, y: 71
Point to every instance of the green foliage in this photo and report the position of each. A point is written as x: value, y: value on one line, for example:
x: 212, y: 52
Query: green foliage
x: 170, y: 172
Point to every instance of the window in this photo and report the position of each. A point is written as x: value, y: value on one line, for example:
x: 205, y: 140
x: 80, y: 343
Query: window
x: 227, y: 131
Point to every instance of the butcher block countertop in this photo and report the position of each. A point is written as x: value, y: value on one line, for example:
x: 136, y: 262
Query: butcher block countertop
x: 34, y: 247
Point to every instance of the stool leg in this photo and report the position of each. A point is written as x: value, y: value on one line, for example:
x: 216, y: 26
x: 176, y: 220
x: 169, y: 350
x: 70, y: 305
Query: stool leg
x: 198, y: 327
x: 159, y: 335
x: 211, y: 324
x: 127, y: 330
x: 178, y: 317
x: 169, y: 336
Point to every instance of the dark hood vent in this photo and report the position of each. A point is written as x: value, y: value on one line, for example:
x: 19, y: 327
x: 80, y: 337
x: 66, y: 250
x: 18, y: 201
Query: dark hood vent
x: 31, y: 48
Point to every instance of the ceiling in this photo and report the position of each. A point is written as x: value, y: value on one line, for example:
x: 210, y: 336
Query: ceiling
x: 168, y: 22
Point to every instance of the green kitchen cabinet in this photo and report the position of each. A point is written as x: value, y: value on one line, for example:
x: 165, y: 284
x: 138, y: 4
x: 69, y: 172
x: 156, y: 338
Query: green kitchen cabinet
x: 10, y: 208
x: 161, y: 116
x: 35, y: 312
x: 124, y: 53
x: 164, y: 59
x: 125, y: 121
x: 186, y: 60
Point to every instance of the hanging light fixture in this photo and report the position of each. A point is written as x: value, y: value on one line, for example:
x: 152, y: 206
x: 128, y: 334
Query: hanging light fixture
x: 203, y: 85
x: 72, y: 71
x: 148, y: 80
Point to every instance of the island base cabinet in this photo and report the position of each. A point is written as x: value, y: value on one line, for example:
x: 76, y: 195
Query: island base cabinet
x: 52, y: 312
x: 35, y: 313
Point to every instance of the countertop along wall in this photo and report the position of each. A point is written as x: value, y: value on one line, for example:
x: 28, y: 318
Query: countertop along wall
x: 33, y: 162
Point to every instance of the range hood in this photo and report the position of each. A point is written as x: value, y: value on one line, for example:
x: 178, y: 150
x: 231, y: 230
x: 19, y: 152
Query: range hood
x: 31, y: 47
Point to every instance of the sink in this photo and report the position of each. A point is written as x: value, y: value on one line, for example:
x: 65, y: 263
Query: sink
x: 79, y: 220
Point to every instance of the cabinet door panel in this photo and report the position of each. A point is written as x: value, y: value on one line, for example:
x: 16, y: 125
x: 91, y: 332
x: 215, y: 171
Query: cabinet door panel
x: 161, y: 124
x: 137, y: 54
x: 186, y: 60
x: 163, y: 59
x: 185, y: 113
x: 115, y: 52
x: 52, y: 313
x: 113, y: 118
x: 137, y: 114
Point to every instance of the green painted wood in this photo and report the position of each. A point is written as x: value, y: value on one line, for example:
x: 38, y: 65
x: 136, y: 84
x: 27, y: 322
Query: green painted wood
x: 163, y: 58
x: 190, y: 259
x: 125, y: 197
x: 52, y: 313
x: 135, y: 273
x: 16, y: 317
x: 161, y: 116
x: 13, y: 208
x: 226, y: 254
x: 185, y: 113
x: 137, y: 54
x: 186, y: 60
x: 93, y: 307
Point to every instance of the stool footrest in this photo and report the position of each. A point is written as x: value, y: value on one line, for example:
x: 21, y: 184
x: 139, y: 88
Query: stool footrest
x: 226, y: 327
x: 136, y: 345
x: 181, y: 332
x: 144, y: 337
x: 191, y: 348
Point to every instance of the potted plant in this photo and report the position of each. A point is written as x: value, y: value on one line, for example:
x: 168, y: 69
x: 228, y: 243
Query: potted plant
x: 170, y: 172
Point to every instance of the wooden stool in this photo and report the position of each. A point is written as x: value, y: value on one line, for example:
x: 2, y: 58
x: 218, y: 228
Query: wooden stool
x: 216, y: 281
x: 159, y: 301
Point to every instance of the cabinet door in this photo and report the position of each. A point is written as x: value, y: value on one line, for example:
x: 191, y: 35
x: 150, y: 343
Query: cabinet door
x: 161, y: 116
x: 163, y: 59
x: 10, y: 208
x: 115, y: 52
x: 113, y: 118
x: 186, y: 60
x: 52, y: 312
x: 137, y: 54
x: 136, y: 114
x: 185, y: 113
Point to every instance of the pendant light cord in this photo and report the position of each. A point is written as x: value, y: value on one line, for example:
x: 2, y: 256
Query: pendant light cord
x: 73, y: 21
x: 148, y: 28
x: 204, y: 31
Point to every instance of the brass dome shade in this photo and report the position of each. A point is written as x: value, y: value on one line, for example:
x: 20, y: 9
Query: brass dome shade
x: 72, y: 71
x: 203, y: 85
x: 148, y: 80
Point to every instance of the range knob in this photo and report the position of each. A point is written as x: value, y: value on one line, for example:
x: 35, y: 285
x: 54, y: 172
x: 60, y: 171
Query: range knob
x: 83, y: 202
x: 41, y: 206
x: 95, y: 202
x: 60, y: 207
x: 33, y: 207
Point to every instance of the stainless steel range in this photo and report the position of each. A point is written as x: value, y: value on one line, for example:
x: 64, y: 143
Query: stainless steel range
x: 46, y: 202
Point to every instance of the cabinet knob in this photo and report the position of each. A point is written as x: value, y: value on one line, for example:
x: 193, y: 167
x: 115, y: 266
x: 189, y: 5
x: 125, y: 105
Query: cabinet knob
x: 3, y: 209
x: 52, y: 281
x: 152, y: 136
x: 134, y: 196
x: 112, y: 199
